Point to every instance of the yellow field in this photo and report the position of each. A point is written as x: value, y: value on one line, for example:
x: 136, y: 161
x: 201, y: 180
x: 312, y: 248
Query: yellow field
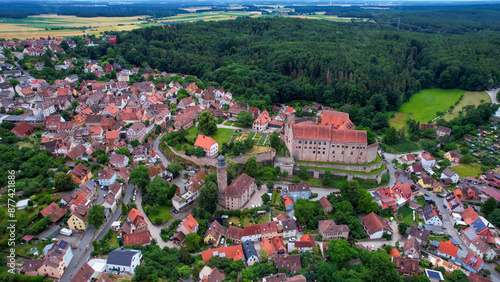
x: 470, y: 98
x: 42, y: 25
x: 209, y: 16
x: 74, y: 21
x: 113, y: 28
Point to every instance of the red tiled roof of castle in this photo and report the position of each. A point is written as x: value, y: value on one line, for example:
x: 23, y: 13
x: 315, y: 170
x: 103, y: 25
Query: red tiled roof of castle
x: 307, y: 131
x: 337, y: 120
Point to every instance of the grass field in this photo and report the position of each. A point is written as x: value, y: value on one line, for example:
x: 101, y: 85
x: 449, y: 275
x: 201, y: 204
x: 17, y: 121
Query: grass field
x: 258, y: 149
x: 399, y: 120
x: 470, y: 98
x: 376, y: 161
x: 228, y: 15
x: 36, y: 26
x: 403, y: 147
x: 163, y: 214
x: 373, y: 172
x: 407, y: 214
x: 424, y: 104
x: 465, y: 170
x: 234, y: 220
x: 222, y: 136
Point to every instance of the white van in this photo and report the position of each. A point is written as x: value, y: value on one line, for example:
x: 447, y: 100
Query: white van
x: 66, y: 231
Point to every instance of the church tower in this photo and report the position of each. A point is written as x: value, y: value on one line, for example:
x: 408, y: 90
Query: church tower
x: 221, y: 174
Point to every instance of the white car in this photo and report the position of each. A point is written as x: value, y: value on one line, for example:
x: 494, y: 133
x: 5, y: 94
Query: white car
x: 133, y: 198
x: 291, y: 240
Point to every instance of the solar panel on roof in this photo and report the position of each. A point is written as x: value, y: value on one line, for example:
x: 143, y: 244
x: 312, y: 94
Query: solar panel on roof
x: 58, y: 251
x: 473, y: 259
x: 63, y: 244
x: 434, y: 274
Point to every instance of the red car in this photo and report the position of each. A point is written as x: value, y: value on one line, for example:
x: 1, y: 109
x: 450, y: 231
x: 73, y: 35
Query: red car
x: 300, y: 229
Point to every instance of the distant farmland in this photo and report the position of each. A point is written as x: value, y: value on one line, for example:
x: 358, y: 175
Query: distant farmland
x: 59, y: 26
x: 228, y: 15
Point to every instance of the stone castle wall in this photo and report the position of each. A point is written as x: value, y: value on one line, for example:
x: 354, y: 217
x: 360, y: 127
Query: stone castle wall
x: 318, y: 173
x: 358, y: 168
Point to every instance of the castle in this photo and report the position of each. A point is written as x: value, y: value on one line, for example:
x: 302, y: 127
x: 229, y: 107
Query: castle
x: 329, y: 139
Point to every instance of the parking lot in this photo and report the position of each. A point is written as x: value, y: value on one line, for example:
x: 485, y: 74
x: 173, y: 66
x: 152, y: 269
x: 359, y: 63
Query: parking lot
x: 256, y: 198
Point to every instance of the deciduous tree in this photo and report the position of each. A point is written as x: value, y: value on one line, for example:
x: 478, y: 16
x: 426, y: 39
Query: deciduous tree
x: 96, y: 216
x: 207, y: 124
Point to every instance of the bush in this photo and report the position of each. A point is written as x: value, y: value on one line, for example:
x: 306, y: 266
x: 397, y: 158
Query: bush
x: 158, y: 221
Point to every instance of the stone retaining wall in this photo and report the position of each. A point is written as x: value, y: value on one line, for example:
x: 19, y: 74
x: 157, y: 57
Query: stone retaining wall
x: 360, y: 168
x: 318, y: 173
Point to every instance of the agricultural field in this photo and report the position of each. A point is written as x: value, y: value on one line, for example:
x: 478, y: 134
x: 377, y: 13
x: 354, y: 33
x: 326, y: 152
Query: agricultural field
x: 208, y: 16
x: 59, y: 26
x: 229, y: 15
x: 424, y: 104
x: 470, y: 98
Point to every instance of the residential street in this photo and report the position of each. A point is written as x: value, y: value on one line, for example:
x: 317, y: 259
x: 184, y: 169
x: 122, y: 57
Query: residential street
x: 81, y: 254
x: 448, y: 226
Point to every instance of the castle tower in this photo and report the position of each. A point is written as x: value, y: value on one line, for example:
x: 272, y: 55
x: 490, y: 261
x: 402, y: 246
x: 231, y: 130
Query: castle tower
x: 221, y: 174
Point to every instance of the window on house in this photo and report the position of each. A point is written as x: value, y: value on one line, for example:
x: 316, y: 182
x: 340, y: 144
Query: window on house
x: 352, y: 153
x: 360, y: 153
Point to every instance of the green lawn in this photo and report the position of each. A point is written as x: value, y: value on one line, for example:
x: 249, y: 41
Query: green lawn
x: 163, y: 214
x: 264, y: 218
x: 439, y: 239
x: 235, y: 220
x: 239, y: 125
x: 373, y: 172
x: 377, y: 161
x: 465, y: 170
x: 424, y: 104
x: 247, y: 221
x: 222, y: 136
x: 407, y: 214
x: 404, y: 147
x: 399, y: 120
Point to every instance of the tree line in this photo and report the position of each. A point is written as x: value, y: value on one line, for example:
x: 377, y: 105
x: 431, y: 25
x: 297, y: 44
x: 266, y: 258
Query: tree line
x: 267, y: 60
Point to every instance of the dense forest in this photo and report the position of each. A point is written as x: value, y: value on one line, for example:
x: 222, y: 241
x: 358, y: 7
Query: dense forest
x: 269, y: 60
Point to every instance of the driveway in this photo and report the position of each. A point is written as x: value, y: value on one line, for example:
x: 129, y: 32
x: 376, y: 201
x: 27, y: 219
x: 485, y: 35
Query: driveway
x: 155, y: 230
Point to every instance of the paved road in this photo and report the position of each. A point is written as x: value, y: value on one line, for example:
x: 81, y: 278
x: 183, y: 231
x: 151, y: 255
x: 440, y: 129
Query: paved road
x: 80, y: 256
x: 493, y: 95
x: 448, y: 225
x: 155, y: 230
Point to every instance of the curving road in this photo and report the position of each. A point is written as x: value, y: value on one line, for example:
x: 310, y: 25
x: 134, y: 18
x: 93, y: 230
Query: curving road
x: 493, y: 95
